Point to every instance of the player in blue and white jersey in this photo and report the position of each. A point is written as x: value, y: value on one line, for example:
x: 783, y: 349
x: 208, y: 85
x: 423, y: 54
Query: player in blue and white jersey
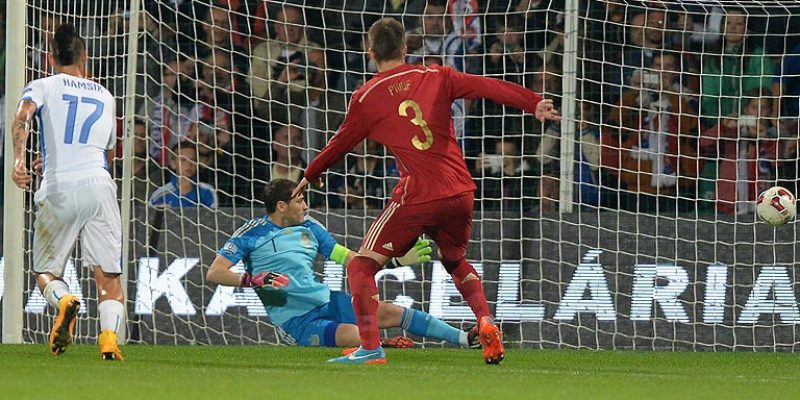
x: 77, y: 197
x: 278, y: 252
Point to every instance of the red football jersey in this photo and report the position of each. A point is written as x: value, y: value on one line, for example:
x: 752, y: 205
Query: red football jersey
x: 407, y: 109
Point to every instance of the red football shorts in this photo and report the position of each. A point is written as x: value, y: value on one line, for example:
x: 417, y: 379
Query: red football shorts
x: 447, y: 221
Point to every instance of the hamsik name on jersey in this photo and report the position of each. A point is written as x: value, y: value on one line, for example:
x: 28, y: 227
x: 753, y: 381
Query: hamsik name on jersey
x: 83, y: 84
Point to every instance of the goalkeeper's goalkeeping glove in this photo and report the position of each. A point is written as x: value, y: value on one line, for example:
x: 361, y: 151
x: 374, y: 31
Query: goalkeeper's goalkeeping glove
x: 267, y: 279
x: 420, y: 253
x: 266, y: 286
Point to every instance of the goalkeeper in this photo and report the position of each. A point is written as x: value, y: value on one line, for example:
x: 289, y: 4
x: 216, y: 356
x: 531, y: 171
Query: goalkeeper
x: 278, y: 252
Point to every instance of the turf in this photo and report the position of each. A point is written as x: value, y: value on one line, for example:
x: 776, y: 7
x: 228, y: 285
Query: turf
x: 265, y: 372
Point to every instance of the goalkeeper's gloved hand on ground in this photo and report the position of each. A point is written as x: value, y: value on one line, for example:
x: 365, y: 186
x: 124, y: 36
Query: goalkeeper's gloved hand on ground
x: 264, y: 279
x: 420, y: 253
x: 270, y: 296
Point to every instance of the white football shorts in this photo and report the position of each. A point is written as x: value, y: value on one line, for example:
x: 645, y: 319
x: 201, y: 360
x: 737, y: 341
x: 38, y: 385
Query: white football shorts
x: 86, y: 207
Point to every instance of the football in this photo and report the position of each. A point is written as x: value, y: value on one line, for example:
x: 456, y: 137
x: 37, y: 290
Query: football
x: 776, y: 206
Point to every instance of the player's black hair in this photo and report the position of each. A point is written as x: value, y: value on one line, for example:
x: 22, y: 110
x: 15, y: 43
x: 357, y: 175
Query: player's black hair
x: 68, y: 46
x: 277, y: 190
x: 175, y: 150
x: 183, y: 144
x: 386, y: 39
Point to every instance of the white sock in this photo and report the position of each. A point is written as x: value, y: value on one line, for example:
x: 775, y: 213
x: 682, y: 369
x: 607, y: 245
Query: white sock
x: 463, y: 339
x: 54, y: 291
x: 112, y: 315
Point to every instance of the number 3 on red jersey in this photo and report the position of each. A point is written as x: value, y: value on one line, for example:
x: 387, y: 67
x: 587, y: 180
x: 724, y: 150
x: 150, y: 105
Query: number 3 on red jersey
x: 419, y: 121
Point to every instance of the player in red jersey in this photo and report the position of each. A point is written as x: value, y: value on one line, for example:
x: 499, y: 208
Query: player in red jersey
x: 407, y: 109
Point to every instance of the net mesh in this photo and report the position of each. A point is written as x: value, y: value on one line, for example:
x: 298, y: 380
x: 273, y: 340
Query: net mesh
x: 684, y: 113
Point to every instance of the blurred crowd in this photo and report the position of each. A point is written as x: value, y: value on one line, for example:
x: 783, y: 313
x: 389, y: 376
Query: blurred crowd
x: 680, y: 108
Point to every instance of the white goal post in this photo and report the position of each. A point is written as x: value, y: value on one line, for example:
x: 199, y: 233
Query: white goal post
x: 13, y: 236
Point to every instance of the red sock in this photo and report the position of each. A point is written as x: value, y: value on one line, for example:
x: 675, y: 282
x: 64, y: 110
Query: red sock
x: 469, y: 285
x: 361, y: 278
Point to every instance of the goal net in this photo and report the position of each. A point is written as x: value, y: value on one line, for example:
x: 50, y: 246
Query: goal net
x: 629, y: 225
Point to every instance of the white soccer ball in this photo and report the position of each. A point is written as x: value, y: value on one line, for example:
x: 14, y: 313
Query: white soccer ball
x: 776, y: 206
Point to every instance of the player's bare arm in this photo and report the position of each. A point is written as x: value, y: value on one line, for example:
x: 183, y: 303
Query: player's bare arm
x: 20, y: 126
x: 220, y: 272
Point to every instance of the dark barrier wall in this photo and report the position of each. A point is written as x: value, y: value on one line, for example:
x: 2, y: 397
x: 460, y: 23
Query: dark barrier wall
x: 608, y: 280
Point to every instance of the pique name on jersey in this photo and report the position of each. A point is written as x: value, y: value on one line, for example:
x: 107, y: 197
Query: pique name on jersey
x: 399, y: 87
x: 85, y: 85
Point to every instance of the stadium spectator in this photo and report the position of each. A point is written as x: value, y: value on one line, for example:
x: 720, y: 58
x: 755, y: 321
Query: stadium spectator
x: 287, y: 70
x: 587, y: 161
x: 45, y: 23
x: 537, y: 15
x: 786, y: 87
x: 365, y: 182
x: 788, y: 171
x: 226, y: 131
x: 358, y: 67
x: 504, y: 182
x: 498, y: 120
x: 365, y: 12
x: 171, y: 116
x: 544, y: 79
x: 665, y: 73
x: 506, y: 55
x: 183, y: 189
x: 286, y: 161
x: 110, y: 43
x: 632, y: 50
x: 219, y: 95
x: 647, y: 37
x: 546, y: 158
x: 506, y: 58
x: 678, y: 32
x: 435, y: 42
x: 786, y: 107
x: 220, y: 36
x: 604, y: 38
x: 742, y: 155
x: 733, y: 71
x: 157, y: 44
x: 587, y: 156
x: 653, y: 144
x: 306, y: 311
x: 696, y: 26
x: 112, y: 55
x: 554, y: 51
x: 146, y: 173
x: 289, y: 82
x: 109, y: 39
x: 322, y: 117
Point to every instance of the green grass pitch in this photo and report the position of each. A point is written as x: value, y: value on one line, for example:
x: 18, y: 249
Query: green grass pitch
x: 268, y: 372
